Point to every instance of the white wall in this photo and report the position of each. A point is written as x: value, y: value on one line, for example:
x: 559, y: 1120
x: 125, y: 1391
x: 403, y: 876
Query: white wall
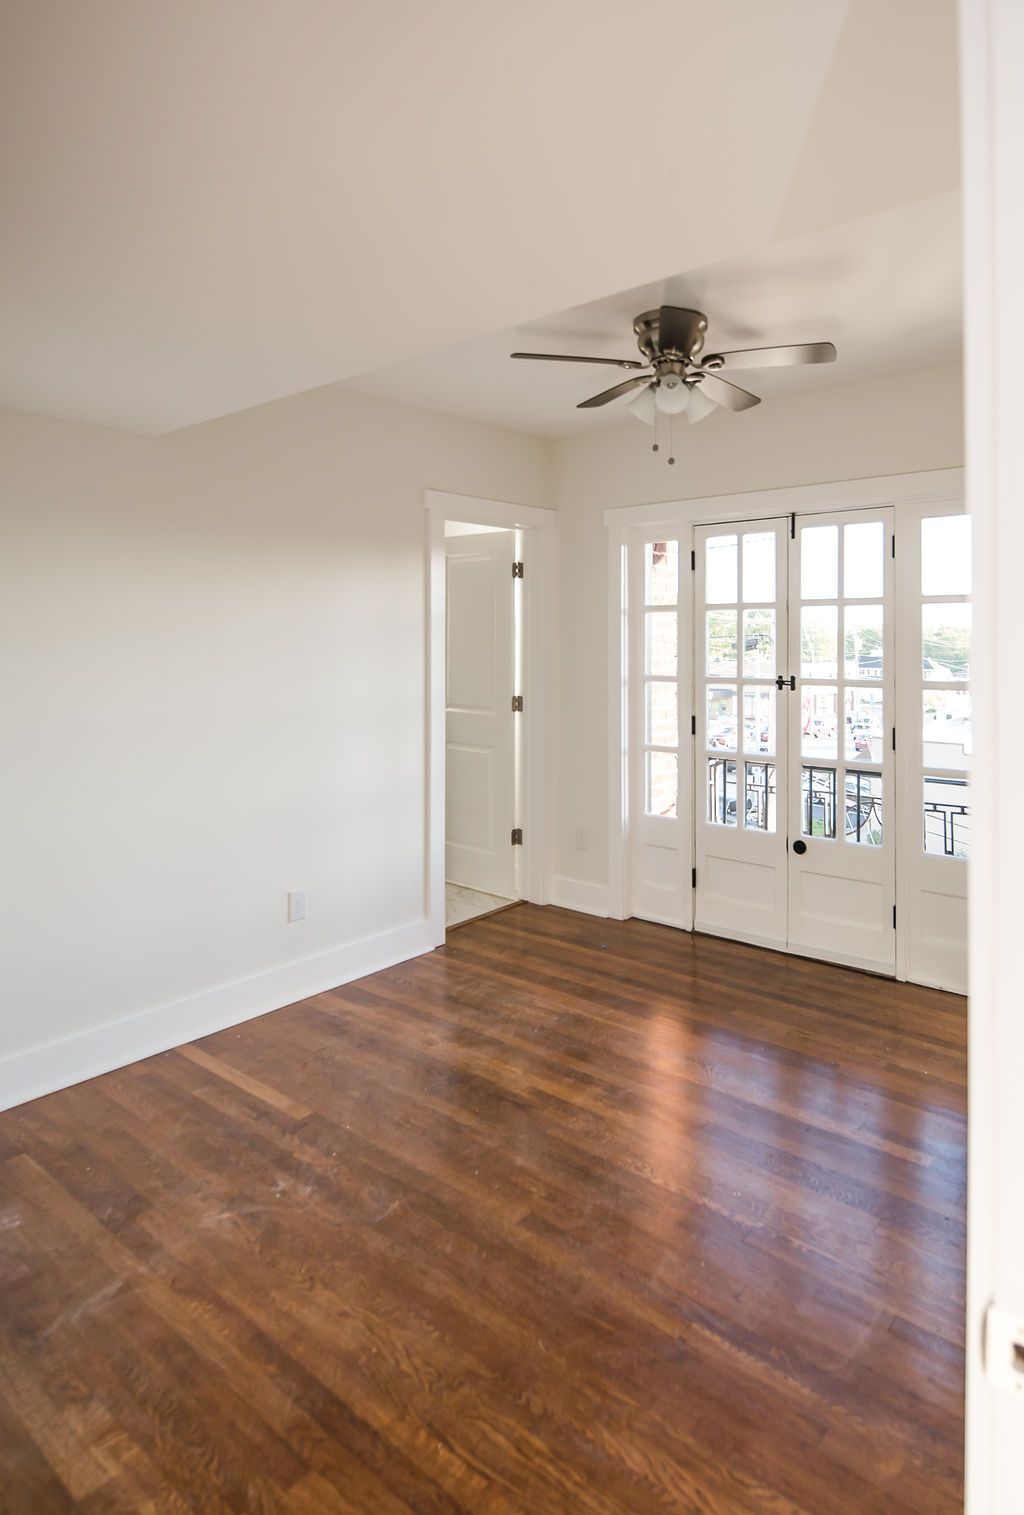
x: 893, y: 425
x: 212, y: 691
x: 212, y: 685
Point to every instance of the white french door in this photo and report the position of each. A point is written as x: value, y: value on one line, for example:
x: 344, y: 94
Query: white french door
x: 793, y: 793
x: 799, y: 735
x: 742, y: 736
x: 935, y: 749
x: 842, y: 869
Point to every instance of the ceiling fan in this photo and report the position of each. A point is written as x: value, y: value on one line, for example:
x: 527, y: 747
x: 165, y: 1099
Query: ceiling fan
x: 673, y: 377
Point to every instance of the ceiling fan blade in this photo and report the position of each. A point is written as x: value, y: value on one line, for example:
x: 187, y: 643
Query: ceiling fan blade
x: 614, y: 392
x: 773, y: 357
x: 562, y: 357
x: 729, y: 395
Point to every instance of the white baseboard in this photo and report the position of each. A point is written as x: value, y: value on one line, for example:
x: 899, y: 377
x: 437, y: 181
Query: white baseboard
x: 72, y: 1059
x: 575, y: 894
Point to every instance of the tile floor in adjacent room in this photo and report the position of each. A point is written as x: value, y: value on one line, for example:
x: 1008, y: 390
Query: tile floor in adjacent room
x: 462, y: 904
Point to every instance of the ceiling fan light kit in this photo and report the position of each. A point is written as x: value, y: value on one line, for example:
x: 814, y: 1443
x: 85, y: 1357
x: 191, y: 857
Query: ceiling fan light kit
x: 673, y: 377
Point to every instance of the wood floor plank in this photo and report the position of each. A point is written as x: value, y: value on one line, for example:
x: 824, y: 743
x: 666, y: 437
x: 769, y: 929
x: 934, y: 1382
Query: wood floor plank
x: 572, y: 1215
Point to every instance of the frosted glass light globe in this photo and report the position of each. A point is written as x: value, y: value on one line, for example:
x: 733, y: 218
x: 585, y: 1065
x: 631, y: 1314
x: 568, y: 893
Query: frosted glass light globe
x: 671, y: 396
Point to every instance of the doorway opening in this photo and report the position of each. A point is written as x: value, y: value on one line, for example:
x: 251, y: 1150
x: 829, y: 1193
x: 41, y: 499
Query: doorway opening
x: 483, y: 709
x: 797, y: 722
x: 487, y: 608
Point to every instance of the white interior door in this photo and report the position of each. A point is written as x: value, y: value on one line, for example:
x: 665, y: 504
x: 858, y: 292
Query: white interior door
x: 479, y: 720
x: 842, y: 859
x: 740, y: 742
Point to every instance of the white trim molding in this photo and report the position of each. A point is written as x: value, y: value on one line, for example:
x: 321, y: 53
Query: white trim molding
x: 538, y: 528
x: 992, y: 143
x: 73, y: 1059
x: 577, y: 894
x: 804, y: 499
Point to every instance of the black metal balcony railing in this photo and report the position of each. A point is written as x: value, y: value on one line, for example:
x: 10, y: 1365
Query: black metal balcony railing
x: 952, y: 819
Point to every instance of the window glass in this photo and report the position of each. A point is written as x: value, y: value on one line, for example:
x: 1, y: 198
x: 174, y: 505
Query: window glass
x: 946, y: 555
x: 722, y: 716
x: 863, y: 823
x: 947, y: 817
x: 759, y: 644
x: 946, y: 642
x: 662, y: 787
x: 862, y: 641
x: 758, y: 718
x: 946, y: 728
x: 819, y: 720
x: 759, y: 812
x: 818, y: 802
x: 722, y: 791
x: 720, y: 570
x: 662, y: 652
x: 864, y: 560
x: 721, y: 643
x: 662, y: 718
x: 758, y: 566
x: 864, y: 733
x: 819, y: 562
x: 819, y: 625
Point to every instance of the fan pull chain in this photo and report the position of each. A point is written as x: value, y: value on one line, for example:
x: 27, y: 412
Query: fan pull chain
x: 672, y: 437
x: 654, y: 447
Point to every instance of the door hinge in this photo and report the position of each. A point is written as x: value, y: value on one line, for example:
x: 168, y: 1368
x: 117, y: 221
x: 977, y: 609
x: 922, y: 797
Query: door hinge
x: 894, y: 917
x: 894, y: 739
x: 693, y: 725
x: 517, y: 570
x: 517, y: 836
x: 695, y: 878
x: 792, y: 524
x: 693, y: 561
x: 894, y: 544
x: 517, y: 704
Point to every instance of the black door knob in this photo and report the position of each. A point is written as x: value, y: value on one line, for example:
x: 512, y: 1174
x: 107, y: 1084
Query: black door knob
x: 799, y: 848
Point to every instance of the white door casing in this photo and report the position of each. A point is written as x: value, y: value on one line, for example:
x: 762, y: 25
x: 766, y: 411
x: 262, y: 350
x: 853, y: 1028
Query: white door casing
x: 479, y: 723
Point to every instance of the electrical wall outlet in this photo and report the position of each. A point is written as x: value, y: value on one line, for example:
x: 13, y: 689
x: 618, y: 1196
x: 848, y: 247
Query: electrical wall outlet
x: 296, y: 905
x: 582, y: 839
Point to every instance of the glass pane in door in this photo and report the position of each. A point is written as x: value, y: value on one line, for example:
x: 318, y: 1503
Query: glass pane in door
x: 661, y: 573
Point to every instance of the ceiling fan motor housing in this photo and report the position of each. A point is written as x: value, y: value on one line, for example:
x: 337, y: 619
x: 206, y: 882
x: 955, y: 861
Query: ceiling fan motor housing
x: 683, y: 340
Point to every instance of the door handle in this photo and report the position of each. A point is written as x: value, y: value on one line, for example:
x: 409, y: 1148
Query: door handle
x: 781, y: 683
x: 799, y: 847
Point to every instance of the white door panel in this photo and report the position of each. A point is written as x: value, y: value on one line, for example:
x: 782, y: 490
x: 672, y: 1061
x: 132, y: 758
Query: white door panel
x: 480, y: 737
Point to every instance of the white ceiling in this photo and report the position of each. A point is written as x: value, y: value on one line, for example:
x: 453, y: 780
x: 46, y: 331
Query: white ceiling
x: 207, y: 206
x: 885, y: 289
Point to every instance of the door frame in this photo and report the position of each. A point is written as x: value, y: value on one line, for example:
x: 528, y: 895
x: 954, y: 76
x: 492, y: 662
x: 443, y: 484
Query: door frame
x: 627, y: 525
x: 537, y: 526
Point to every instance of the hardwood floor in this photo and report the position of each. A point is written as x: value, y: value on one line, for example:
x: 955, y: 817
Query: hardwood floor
x: 572, y: 1216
